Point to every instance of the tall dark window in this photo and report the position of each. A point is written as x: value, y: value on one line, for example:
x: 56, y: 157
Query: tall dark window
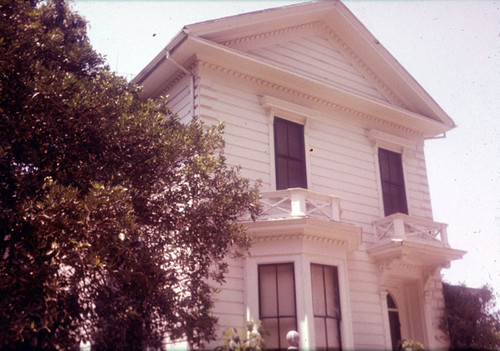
x: 289, y: 154
x: 393, y: 184
x: 394, y: 323
x: 277, y: 303
x: 326, y: 307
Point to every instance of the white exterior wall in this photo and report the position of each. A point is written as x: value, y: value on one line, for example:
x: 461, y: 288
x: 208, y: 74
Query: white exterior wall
x: 343, y: 163
x: 341, y: 160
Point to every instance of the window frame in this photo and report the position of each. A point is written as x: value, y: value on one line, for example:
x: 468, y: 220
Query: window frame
x: 300, y: 158
x: 386, y: 184
x: 394, y: 311
x: 391, y: 142
x: 325, y: 316
x: 278, y: 316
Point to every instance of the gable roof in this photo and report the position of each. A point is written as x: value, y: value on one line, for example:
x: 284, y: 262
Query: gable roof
x: 234, y: 43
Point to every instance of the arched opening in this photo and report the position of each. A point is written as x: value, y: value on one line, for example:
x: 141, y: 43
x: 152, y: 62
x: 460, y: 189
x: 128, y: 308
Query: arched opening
x: 394, y: 324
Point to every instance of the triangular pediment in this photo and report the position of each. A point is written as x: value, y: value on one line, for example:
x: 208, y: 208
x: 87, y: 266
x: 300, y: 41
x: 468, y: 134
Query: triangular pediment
x: 319, y: 47
x: 311, y: 50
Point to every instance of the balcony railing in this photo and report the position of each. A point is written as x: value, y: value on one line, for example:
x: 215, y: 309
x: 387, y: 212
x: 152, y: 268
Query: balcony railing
x: 299, y: 203
x: 399, y: 227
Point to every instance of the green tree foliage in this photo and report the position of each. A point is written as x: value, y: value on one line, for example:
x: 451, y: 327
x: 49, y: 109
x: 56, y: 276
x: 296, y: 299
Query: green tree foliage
x: 470, y: 318
x: 113, y: 213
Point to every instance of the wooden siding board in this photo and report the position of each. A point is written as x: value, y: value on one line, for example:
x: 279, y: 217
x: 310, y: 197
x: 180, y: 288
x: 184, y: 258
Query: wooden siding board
x: 363, y: 296
x: 339, y: 145
x: 310, y: 63
x: 261, y: 158
x: 370, y: 318
x: 322, y: 50
x: 179, y: 98
x: 346, y: 190
x: 320, y: 59
x: 338, y: 168
x: 334, y: 127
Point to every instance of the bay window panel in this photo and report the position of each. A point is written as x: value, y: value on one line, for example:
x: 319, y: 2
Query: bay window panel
x: 271, y: 338
x: 318, y: 287
x: 320, y: 333
x: 330, y: 292
x: 286, y: 301
x: 267, y: 291
x: 332, y: 334
x: 326, y: 306
x: 277, y: 309
x: 286, y: 324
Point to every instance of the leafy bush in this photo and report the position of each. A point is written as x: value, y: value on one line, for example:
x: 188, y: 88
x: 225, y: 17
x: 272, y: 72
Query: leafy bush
x: 248, y: 339
x: 470, y: 318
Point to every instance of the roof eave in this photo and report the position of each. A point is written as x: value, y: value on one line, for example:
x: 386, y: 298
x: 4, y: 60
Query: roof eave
x: 245, y: 64
x: 151, y: 67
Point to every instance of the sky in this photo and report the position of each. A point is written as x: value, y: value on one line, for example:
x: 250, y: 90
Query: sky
x: 451, y: 47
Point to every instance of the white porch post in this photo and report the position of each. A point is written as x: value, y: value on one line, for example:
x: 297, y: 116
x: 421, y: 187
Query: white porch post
x: 298, y: 204
x: 335, y: 206
x: 399, y: 228
x: 444, y: 234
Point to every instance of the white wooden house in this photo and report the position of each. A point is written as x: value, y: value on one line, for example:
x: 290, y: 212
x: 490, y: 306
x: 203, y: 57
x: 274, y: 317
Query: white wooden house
x: 347, y: 252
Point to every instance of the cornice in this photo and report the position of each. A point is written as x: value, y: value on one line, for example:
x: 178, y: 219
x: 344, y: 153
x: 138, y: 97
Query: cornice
x: 397, y: 263
x: 285, y: 237
x: 173, y: 82
x: 269, y: 34
x: 336, y: 233
x: 293, y: 92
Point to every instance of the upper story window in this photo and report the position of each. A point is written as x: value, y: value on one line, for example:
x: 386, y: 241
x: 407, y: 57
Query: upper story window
x: 289, y: 154
x: 277, y: 303
x: 393, y: 184
x: 326, y: 306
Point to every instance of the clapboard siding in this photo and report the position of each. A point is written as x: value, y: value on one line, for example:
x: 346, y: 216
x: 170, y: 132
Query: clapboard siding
x: 179, y: 98
x: 362, y: 296
x: 416, y: 183
x: 342, y: 163
x: 229, y: 300
x: 368, y: 341
x: 315, y: 56
x: 246, y: 127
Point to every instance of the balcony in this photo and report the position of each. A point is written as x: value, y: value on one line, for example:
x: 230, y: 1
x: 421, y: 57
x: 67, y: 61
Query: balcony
x: 299, y: 203
x: 417, y: 241
x: 399, y: 227
x: 301, y: 214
